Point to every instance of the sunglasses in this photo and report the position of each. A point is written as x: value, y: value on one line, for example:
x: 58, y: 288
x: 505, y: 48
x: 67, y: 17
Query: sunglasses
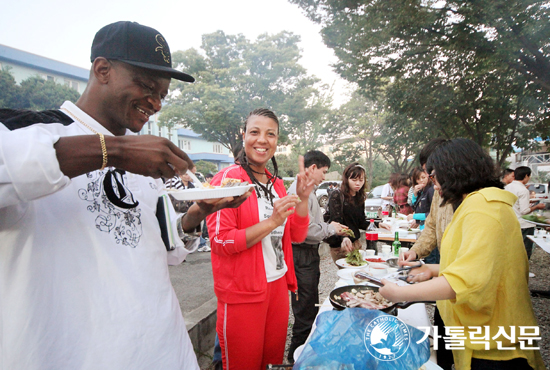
x: 432, y: 175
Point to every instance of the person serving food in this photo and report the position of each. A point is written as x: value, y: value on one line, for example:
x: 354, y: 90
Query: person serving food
x: 482, y: 280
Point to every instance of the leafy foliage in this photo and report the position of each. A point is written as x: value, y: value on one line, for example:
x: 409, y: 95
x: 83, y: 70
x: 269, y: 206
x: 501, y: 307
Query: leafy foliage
x: 478, y: 69
x: 235, y: 76
x: 205, y: 167
x: 34, y: 93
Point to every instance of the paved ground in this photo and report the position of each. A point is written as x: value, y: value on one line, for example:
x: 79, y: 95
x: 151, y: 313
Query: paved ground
x: 193, y: 282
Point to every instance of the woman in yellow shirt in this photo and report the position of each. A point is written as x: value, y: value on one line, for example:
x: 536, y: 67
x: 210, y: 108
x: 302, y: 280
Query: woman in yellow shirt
x: 481, y: 282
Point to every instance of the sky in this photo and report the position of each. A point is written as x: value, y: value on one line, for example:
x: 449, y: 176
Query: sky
x: 64, y: 30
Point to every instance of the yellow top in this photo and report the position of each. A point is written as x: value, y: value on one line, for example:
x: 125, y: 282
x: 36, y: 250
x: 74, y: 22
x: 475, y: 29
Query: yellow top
x: 484, y: 261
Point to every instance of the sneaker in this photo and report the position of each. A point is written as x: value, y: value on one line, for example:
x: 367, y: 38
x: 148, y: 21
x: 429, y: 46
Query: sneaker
x: 531, y: 275
x: 204, y: 248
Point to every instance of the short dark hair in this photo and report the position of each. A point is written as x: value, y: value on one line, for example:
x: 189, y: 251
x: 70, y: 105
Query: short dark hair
x: 507, y: 171
x: 209, y: 175
x: 461, y: 167
x: 521, y: 172
x: 429, y: 149
x: 316, y: 157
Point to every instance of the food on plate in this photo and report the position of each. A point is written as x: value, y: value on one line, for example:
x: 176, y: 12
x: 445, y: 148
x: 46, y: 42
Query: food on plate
x: 366, y: 299
x: 208, y: 186
x: 355, y: 258
x: 229, y: 182
x: 380, y: 260
x: 537, y: 218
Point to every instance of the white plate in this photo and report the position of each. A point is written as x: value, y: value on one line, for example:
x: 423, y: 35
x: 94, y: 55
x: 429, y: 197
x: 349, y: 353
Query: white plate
x: 199, y: 194
x: 414, y: 231
x: 342, y: 263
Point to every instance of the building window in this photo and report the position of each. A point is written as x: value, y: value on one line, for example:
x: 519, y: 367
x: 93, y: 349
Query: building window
x: 217, y: 148
x: 50, y: 78
x: 72, y: 84
x: 149, y: 129
x: 281, y: 149
x: 184, y: 144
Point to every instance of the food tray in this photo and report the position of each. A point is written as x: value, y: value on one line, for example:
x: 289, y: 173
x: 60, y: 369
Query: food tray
x: 200, y: 194
x: 537, y: 223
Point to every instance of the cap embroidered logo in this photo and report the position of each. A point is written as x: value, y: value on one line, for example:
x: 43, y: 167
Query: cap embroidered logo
x: 162, y: 46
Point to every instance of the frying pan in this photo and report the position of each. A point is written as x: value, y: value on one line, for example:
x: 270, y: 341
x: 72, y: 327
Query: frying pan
x: 340, y: 305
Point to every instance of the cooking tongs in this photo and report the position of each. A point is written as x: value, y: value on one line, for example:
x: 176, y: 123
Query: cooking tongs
x: 370, y: 278
x: 407, y: 268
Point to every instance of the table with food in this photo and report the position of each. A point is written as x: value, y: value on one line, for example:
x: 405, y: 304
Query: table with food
x: 357, y: 289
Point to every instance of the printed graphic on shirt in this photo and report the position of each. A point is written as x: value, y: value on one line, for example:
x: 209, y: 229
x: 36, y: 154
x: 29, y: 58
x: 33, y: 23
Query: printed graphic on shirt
x: 123, y: 222
x: 272, y: 245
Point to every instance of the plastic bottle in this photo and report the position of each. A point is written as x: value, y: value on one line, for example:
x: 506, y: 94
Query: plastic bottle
x: 371, y: 235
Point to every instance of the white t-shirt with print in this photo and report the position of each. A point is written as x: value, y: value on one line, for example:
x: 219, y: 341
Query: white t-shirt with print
x: 272, y: 244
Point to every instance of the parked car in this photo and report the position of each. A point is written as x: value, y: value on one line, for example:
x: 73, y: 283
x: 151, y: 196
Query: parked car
x: 321, y: 192
x: 541, y: 193
x: 373, y: 202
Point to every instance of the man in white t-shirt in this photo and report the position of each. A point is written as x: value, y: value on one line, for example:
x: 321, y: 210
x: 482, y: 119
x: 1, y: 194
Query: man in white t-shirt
x: 517, y: 187
x: 387, y: 191
x: 84, y: 280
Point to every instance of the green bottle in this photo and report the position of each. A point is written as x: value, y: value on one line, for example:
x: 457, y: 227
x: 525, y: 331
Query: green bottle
x: 396, y: 245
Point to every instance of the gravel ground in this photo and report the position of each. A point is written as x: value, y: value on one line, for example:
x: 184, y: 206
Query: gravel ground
x: 539, y: 265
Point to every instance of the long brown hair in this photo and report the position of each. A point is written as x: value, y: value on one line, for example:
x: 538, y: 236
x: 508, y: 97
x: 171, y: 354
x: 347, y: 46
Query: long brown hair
x: 242, y: 160
x: 353, y: 171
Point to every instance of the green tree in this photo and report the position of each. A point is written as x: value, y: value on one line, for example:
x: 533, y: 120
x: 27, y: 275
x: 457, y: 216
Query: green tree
x: 205, y: 167
x: 234, y: 76
x: 459, y: 68
x: 34, y: 93
x: 9, y: 90
x: 39, y: 94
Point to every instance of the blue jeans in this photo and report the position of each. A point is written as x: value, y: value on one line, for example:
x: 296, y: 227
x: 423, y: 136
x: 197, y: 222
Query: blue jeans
x: 217, y: 351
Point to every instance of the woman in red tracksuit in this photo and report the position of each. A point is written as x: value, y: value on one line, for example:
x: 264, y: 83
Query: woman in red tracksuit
x: 252, y: 252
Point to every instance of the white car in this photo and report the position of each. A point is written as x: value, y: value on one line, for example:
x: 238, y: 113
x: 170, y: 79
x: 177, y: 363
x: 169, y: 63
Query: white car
x: 373, y: 202
x: 541, y: 193
x: 321, y: 192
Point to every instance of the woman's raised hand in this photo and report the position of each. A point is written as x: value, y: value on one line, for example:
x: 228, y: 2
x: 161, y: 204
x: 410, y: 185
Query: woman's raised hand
x: 283, y: 208
x: 304, y: 185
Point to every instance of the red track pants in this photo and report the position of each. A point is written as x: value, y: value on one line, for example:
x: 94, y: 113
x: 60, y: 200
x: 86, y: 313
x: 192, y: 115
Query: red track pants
x: 253, y: 335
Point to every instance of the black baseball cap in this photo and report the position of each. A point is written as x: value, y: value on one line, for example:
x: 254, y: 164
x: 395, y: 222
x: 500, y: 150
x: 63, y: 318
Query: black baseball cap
x: 138, y: 45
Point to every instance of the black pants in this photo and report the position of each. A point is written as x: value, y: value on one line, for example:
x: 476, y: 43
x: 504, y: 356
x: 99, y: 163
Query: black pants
x: 445, y: 357
x: 306, y: 266
x: 528, y: 242
x: 515, y: 364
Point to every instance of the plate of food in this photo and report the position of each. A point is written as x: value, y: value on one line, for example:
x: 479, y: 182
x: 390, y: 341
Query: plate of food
x: 354, y: 260
x: 229, y: 188
x: 537, y: 220
x: 413, y: 231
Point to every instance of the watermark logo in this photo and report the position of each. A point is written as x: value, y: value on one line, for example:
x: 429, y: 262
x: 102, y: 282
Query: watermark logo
x: 387, y: 338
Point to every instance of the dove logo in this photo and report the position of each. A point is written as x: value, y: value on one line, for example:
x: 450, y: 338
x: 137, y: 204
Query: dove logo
x: 387, y: 338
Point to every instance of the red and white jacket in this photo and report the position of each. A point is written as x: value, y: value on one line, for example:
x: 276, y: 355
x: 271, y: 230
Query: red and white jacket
x: 239, y: 272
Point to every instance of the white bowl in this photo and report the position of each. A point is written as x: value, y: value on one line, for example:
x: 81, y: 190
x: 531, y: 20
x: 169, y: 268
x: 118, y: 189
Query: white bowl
x: 378, y: 269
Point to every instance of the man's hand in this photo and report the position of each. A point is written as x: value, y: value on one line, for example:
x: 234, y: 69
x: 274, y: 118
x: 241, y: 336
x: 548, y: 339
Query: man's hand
x: 538, y: 206
x: 147, y: 155
x: 339, y: 228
